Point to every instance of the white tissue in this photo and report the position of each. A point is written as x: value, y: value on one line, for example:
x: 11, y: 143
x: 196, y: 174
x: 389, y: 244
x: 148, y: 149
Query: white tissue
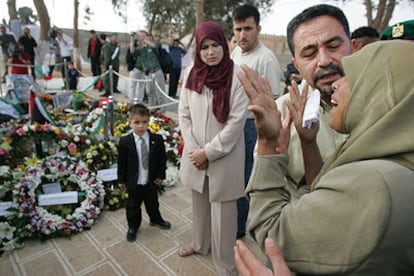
x: 311, y: 112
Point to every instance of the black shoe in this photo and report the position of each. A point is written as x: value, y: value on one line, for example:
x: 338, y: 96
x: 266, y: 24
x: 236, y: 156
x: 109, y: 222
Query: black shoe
x: 165, y: 225
x: 106, y: 94
x: 117, y: 91
x: 240, y: 235
x: 131, y: 235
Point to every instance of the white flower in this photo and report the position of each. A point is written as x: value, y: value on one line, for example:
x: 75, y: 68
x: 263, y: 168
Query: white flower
x: 64, y: 143
x: 25, y: 128
x: 88, y: 142
x: 76, y: 139
x: 3, y: 170
x: 6, y: 230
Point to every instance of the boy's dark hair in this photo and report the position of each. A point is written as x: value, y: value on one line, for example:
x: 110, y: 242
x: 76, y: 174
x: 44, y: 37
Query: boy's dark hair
x: 312, y: 13
x: 365, y: 31
x: 139, y: 109
x: 241, y: 13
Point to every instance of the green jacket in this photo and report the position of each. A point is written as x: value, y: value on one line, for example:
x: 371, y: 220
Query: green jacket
x: 147, y: 58
x: 107, y: 51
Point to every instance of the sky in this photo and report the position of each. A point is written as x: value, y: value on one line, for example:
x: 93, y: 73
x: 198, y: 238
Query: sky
x: 274, y: 23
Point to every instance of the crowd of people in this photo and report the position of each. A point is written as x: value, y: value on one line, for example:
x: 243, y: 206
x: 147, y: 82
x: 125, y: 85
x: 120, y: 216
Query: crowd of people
x: 320, y: 176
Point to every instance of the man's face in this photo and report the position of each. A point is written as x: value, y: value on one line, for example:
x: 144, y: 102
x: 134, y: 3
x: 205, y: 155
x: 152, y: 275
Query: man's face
x: 3, y: 30
x: 320, y: 45
x: 246, y: 33
x: 114, y: 38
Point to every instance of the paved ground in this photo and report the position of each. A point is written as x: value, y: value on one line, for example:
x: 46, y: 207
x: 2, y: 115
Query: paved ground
x: 103, y: 250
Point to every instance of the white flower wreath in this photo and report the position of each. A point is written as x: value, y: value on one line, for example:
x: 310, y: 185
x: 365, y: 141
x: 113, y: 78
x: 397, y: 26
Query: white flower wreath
x: 43, y: 223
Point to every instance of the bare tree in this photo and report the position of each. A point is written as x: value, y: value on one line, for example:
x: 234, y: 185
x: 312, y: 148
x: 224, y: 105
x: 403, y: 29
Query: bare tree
x: 379, y: 13
x: 199, y: 11
x: 11, y: 6
x: 44, y: 19
x: 76, y: 52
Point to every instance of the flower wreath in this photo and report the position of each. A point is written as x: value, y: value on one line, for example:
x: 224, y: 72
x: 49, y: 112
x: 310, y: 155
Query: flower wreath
x: 72, y: 175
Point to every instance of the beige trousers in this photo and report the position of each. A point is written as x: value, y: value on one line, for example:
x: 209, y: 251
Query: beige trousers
x: 215, y: 227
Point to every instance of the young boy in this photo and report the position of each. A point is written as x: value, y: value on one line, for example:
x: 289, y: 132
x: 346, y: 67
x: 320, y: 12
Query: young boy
x: 141, y: 168
x: 72, y: 76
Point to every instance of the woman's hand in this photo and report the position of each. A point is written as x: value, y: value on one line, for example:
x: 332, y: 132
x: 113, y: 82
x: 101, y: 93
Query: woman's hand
x: 248, y: 264
x: 198, y: 158
x: 267, y: 117
x: 296, y: 107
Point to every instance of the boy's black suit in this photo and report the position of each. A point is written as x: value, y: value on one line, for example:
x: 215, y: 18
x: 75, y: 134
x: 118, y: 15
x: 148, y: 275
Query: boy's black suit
x: 128, y: 174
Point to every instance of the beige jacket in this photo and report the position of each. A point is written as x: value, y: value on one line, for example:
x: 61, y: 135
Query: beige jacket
x: 224, y: 143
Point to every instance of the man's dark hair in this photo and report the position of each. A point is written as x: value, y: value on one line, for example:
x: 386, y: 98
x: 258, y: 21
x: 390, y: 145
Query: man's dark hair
x: 365, y: 31
x: 312, y: 13
x: 139, y: 109
x: 145, y: 32
x: 241, y: 13
x: 102, y: 36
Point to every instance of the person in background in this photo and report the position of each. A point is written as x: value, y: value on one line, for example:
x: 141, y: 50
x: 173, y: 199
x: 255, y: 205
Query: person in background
x: 147, y: 53
x: 19, y: 61
x: 110, y: 57
x: 177, y: 51
x: 357, y: 217
x: 232, y: 43
x: 29, y: 45
x: 66, y: 47
x: 291, y: 73
x: 72, y: 76
x: 250, y: 51
x: 94, y: 53
x: 403, y: 30
x: 5, y: 41
x: 136, y: 75
x: 102, y: 40
x: 363, y: 36
x: 141, y: 169
x: 212, y: 112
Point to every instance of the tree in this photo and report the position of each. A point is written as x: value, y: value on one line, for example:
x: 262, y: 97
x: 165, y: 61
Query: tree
x: 44, y: 19
x: 76, y: 53
x: 176, y: 18
x: 379, y: 13
x: 11, y: 6
x: 26, y: 15
x: 384, y: 10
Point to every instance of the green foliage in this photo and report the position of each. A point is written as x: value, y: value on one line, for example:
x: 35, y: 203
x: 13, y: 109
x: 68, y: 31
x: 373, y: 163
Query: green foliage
x: 26, y: 16
x: 176, y: 18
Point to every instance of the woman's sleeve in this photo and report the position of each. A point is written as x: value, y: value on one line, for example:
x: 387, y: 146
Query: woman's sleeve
x: 330, y: 230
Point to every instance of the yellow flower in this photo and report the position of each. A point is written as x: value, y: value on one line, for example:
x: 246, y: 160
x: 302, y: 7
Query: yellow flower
x: 57, y: 131
x: 32, y: 161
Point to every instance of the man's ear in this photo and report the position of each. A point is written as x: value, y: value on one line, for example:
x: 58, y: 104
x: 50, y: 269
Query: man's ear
x: 353, y: 43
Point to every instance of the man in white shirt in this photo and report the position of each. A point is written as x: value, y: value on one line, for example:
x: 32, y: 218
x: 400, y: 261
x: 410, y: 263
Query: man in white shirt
x: 250, y: 51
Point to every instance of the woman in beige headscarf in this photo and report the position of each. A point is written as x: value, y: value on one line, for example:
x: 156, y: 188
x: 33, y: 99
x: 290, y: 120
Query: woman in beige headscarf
x: 358, y: 217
